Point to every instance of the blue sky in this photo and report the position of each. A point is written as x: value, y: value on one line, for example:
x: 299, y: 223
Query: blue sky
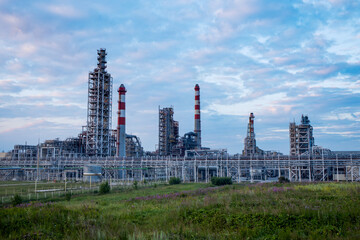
x: 278, y: 59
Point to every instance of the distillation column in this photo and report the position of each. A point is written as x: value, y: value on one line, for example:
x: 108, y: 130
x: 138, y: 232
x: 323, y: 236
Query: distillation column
x: 98, y: 134
x: 197, y: 129
x: 120, y: 138
x: 250, y: 142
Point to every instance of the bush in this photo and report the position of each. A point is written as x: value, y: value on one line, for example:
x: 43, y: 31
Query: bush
x: 104, y: 188
x: 68, y: 196
x: 219, y: 181
x: 16, y: 200
x: 174, y: 180
x: 283, y: 180
x: 135, y: 184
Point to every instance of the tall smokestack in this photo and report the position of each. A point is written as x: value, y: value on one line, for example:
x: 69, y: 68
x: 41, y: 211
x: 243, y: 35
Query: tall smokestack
x: 120, y: 138
x: 197, y: 128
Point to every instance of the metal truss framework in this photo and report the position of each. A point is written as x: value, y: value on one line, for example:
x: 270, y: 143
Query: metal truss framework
x: 98, y: 134
x: 168, y: 131
x: 195, y: 169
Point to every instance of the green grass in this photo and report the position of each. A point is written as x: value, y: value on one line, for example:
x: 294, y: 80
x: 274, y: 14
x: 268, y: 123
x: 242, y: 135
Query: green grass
x: 195, y: 211
x: 12, y: 188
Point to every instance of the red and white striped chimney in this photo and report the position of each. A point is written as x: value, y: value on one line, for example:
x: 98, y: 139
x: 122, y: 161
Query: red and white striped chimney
x: 197, y: 127
x: 120, y: 138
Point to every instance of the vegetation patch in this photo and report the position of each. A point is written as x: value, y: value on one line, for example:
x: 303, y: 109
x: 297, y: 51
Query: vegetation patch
x: 194, y: 211
x: 220, y: 181
x: 174, y: 180
x: 104, y: 188
x: 16, y: 200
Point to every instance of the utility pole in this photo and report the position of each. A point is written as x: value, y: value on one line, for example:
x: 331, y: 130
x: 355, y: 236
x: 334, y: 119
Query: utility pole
x: 37, y: 166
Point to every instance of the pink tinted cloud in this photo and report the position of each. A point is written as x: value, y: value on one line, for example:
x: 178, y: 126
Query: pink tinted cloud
x: 325, y: 71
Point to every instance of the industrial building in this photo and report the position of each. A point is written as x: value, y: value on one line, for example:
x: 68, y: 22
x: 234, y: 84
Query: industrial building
x: 168, y: 131
x: 133, y: 146
x: 170, y: 144
x: 23, y: 152
x: 112, y: 154
x: 97, y: 138
x: 71, y: 147
x: 301, y: 137
x: 188, y: 169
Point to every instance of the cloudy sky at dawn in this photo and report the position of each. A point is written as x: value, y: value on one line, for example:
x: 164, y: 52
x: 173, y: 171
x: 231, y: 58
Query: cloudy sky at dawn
x: 277, y: 59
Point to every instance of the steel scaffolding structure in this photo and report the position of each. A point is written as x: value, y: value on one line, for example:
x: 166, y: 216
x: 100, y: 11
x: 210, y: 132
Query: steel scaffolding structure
x: 98, y: 134
x: 168, y: 131
x: 196, y: 169
x: 301, y: 137
x: 249, y: 141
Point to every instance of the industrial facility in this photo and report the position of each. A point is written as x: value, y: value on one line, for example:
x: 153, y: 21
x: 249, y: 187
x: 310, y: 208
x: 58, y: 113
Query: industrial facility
x: 301, y: 137
x: 168, y: 131
x: 97, y: 138
x: 170, y: 144
x: 117, y: 155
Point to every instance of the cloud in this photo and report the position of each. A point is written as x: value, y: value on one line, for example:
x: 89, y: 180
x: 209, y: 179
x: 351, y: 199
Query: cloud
x: 250, y: 52
x: 66, y: 11
x: 355, y: 116
x: 277, y: 60
x: 343, y: 37
x: 227, y: 83
x: 339, y: 82
x: 23, y: 123
x: 272, y: 104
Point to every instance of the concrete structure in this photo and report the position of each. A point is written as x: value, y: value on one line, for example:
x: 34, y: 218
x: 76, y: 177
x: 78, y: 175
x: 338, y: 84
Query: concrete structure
x: 120, y: 139
x: 98, y: 129
x: 301, y: 137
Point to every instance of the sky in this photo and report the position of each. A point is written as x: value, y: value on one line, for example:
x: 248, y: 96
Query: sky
x: 277, y: 59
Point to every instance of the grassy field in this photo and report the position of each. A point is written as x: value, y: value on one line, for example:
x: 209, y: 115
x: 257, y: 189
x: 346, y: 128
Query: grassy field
x: 194, y: 211
x: 49, y: 190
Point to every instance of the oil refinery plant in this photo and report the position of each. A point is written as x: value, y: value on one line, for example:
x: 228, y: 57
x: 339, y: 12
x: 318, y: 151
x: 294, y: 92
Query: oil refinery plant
x: 118, y: 155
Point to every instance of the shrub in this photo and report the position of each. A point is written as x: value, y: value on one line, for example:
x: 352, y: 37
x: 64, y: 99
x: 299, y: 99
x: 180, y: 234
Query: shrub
x: 104, y: 188
x: 283, y: 180
x: 135, y: 184
x: 68, y: 196
x: 16, y: 200
x: 174, y: 180
x: 219, y: 181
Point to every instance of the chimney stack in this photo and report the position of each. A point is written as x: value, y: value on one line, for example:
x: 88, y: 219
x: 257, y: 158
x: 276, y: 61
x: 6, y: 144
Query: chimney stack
x: 120, y: 138
x: 197, y: 128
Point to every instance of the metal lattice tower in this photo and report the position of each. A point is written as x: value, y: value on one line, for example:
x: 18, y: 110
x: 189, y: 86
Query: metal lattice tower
x: 301, y: 137
x: 98, y: 134
x: 249, y: 141
x: 168, y: 131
